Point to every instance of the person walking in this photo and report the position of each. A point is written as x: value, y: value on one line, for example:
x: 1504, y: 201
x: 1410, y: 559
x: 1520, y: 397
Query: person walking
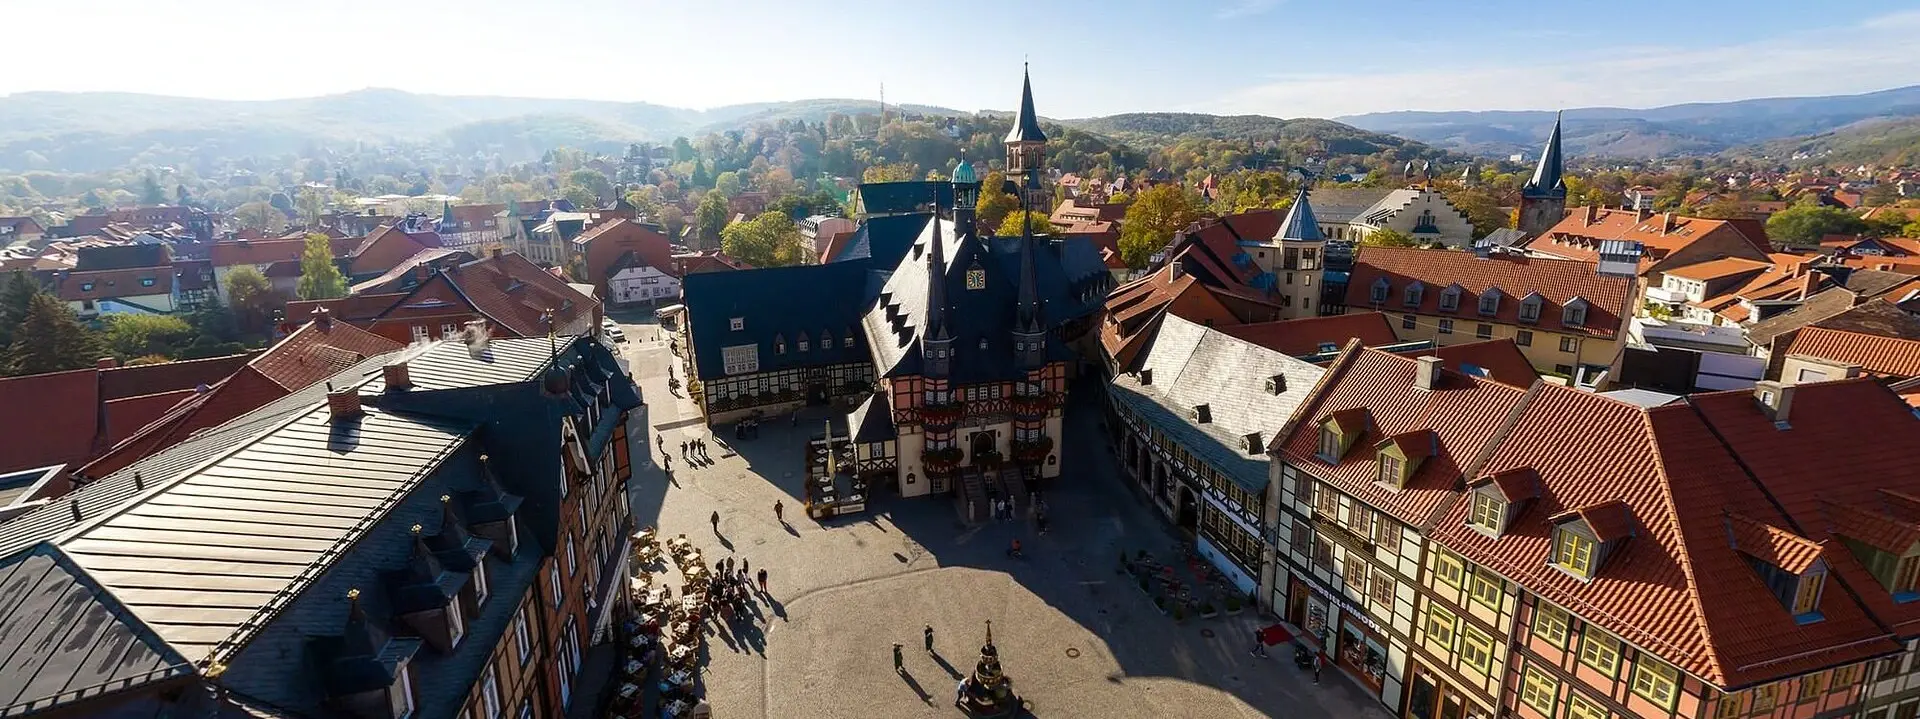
x: 683, y: 449
x: 1316, y: 667
x: 929, y: 633
x: 763, y: 580
x: 743, y: 569
x: 1259, y: 645
x: 899, y: 662
x: 715, y: 519
x: 778, y: 511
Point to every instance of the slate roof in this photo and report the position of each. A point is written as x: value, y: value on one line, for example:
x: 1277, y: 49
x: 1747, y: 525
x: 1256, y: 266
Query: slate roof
x: 910, y: 196
x: 395, y: 279
x: 1026, y: 125
x: 1193, y: 285
x: 1516, y: 276
x: 872, y: 421
x: 456, y: 365
x: 882, y: 239
x: 1300, y: 225
x: 1546, y: 180
x: 67, y: 638
x: 1342, y: 205
x: 1885, y: 356
x: 777, y: 301
x: 1193, y: 365
x: 1818, y: 306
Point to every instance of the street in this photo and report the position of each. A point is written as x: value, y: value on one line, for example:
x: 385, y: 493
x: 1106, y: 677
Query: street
x: 1076, y: 637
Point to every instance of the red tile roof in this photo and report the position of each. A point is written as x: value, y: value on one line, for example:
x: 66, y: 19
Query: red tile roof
x: 1307, y: 336
x: 1720, y: 268
x: 109, y: 284
x: 1462, y: 413
x: 1773, y: 545
x: 1514, y: 484
x: 1500, y: 359
x: 1574, y: 238
x: 255, y: 252
x: 138, y: 380
x: 1886, y: 356
x: 64, y: 424
x: 1516, y: 276
x: 516, y: 293
x: 126, y: 416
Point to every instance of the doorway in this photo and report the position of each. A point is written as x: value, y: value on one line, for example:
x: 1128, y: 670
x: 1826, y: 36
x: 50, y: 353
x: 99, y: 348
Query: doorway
x: 981, y: 443
x: 1420, y: 697
x: 1189, y: 516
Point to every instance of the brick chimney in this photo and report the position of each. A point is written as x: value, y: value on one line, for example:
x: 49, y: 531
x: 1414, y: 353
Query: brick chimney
x: 106, y: 363
x: 396, y: 376
x: 495, y: 253
x: 1427, y: 375
x: 1593, y: 215
x: 1666, y: 223
x: 322, y: 317
x: 344, y: 404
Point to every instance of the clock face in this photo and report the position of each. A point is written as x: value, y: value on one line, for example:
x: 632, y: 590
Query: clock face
x: 976, y: 279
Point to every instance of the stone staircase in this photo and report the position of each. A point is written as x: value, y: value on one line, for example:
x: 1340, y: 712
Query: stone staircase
x: 1008, y: 483
x: 971, y: 501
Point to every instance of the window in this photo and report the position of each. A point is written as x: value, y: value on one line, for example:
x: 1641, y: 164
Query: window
x: 1487, y: 512
x: 1302, y: 536
x: 1483, y: 331
x: 1812, y: 686
x: 566, y: 679
x: 1329, y: 445
x: 1407, y: 322
x: 1524, y: 338
x: 1450, y: 299
x: 1326, y: 502
x: 480, y: 582
x: 1386, y: 533
x: 804, y: 345
x: 737, y: 323
x: 1730, y: 707
x: 1377, y: 293
x: 1322, y: 552
x: 846, y: 341
x: 1847, y: 675
x: 1538, y: 690
x: 522, y: 638
x: 86, y: 287
x: 1550, y: 624
x: 1412, y: 297
x: 1448, y: 567
x: 1600, y: 650
x: 526, y: 708
x: 1806, y: 597
x: 1382, y: 588
x: 1573, y: 552
x: 420, y: 333
x: 779, y: 345
x: 400, y: 694
x: 1360, y: 521
x: 1490, y: 302
x: 146, y: 282
x: 553, y: 584
x: 1486, y: 587
x: 1907, y: 580
x: 1355, y: 572
x: 513, y: 535
x: 1569, y: 344
x: 1476, y: 650
x: 1655, y: 681
x: 1391, y: 469
x: 1441, y: 625
x: 1580, y: 707
x: 1446, y: 326
x: 456, y: 623
x: 1575, y: 313
x: 490, y: 694
x: 573, y: 565
x: 1530, y: 309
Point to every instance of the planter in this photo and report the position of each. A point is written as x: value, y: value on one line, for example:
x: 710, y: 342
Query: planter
x: 1209, y: 615
x: 1235, y: 611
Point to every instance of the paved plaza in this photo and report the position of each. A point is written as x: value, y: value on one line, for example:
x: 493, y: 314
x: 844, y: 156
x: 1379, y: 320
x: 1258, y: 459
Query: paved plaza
x: 1077, y: 638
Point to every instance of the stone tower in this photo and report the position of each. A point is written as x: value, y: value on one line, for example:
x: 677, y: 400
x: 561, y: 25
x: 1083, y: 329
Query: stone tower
x: 1027, y: 152
x: 1543, y: 200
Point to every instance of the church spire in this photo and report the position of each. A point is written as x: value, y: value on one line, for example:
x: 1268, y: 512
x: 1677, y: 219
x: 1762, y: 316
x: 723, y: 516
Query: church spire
x: 1026, y: 127
x: 936, y: 342
x: 1547, y: 176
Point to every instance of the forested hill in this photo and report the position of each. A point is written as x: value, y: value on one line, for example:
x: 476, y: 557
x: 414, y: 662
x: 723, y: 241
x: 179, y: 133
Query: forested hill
x: 1315, y: 136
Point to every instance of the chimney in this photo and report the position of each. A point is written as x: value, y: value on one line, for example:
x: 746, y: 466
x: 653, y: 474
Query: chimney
x: 1146, y: 376
x: 1666, y: 223
x: 1776, y: 400
x: 494, y: 253
x: 344, y: 404
x: 1643, y: 212
x: 1593, y: 215
x: 322, y: 318
x: 421, y: 272
x: 396, y: 376
x: 1427, y: 375
x: 106, y: 363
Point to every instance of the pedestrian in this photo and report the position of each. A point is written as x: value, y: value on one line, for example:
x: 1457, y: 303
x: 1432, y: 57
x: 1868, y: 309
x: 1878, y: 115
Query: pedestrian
x: 743, y: 569
x: 960, y: 693
x: 683, y: 449
x: 899, y: 662
x: 796, y: 419
x: 715, y: 519
x: 726, y: 566
x: 778, y: 508
x: 929, y: 633
x: 763, y: 580
x: 1259, y: 645
x: 1316, y: 667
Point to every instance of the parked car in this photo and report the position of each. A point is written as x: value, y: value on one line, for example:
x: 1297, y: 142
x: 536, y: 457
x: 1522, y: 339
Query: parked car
x: 612, y: 331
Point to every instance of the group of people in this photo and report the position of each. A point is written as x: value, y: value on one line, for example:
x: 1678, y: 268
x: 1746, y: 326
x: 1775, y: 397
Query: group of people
x: 693, y: 449
x: 731, y: 584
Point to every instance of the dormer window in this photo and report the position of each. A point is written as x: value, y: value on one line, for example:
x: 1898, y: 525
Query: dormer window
x: 1329, y: 445
x: 1413, y: 294
x: 1490, y: 302
x: 1530, y: 308
x: 1338, y: 431
x: 400, y: 693
x: 779, y: 345
x: 1575, y: 313
x: 802, y: 343
x: 826, y: 339
x: 1392, y: 470
x: 1378, y: 292
x: 1399, y: 456
x: 1806, y: 595
x: 479, y: 582
x: 1573, y: 552
x: 1450, y: 298
x: 456, y: 623
x: 1488, y: 512
x: 737, y: 323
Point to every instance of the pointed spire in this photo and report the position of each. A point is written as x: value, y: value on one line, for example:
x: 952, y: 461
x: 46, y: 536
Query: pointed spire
x: 1026, y: 127
x: 1547, y: 175
x: 937, y: 284
x: 1300, y: 225
x: 1029, y: 315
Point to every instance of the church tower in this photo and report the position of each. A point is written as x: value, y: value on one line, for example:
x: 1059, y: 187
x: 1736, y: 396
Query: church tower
x: 1027, y: 151
x: 1543, y: 200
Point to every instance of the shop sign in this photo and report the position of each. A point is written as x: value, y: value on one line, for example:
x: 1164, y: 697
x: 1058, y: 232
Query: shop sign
x: 1346, y: 607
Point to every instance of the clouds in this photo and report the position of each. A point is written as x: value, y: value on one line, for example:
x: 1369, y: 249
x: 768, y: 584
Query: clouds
x: 1871, y: 55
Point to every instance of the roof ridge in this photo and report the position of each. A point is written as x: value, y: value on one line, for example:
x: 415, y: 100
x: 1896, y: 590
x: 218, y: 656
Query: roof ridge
x: 1485, y: 453
x: 1663, y: 485
x: 1317, y: 395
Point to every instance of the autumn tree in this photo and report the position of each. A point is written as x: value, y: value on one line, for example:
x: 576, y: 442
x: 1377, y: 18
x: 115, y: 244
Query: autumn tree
x: 1724, y: 207
x: 1151, y: 220
x: 260, y: 215
x: 50, y: 339
x: 131, y: 335
x: 1389, y: 237
x: 1017, y: 223
x: 320, y: 278
x: 710, y: 217
x: 1483, y: 211
x: 895, y: 172
x: 995, y: 203
x: 770, y: 240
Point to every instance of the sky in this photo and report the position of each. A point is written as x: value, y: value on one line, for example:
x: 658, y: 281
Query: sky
x: 1285, y: 58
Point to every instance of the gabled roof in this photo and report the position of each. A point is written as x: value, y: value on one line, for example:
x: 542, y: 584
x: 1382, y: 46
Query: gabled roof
x: 1559, y: 282
x: 1575, y: 239
x: 255, y: 252
x: 1776, y: 546
x: 1498, y: 360
x: 69, y: 636
x: 109, y: 284
x: 1722, y: 268
x: 1312, y: 335
x: 764, y: 300
x: 1462, y: 412
x: 1885, y: 356
x: 520, y: 296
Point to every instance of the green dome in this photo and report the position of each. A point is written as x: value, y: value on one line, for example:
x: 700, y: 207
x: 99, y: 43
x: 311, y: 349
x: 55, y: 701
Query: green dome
x: 963, y: 174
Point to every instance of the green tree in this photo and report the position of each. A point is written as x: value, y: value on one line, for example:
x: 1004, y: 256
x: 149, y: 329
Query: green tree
x: 1151, y: 220
x: 581, y: 197
x: 50, y: 339
x: 1387, y: 237
x: 1483, y: 211
x: 213, y: 321
x: 710, y: 217
x: 1014, y: 225
x: 16, y: 297
x: 320, y: 278
x: 1724, y: 207
x: 137, y: 335
x: 311, y: 203
x: 150, y: 191
x: 1806, y: 224
x: 995, y: 203
x: 260, y: 216
x: 1886, y: 225
x: 253, y: 300
x: 729, y: 184
x: 1912, y: 229
x: 594, y: 182
x: 770, y: 240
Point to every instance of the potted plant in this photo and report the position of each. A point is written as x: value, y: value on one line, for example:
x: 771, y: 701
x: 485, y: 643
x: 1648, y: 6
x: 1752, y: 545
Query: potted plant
x: 1207, y: 611
x: 1233, y: 605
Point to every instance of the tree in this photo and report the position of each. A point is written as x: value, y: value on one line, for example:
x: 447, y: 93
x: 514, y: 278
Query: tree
x: 728, y: 184
x: 180, y: 195
x: 138, y: 335
x: 319, y: 277
x: 994, y: 203
x: 15, y: 298
x: 581, y: 197
x: 50, y: 339
x: 1483, y: 211
x: 896, y: 172
x: 710, y: 217
x: 1912, y: 229
x: 150, y: 192
x: 1806, y: 224
x: 770, y: 240
x: 212, y: 321
x: 1388, y: 237
x: 311, y: 203
x: 253, y: 299
x: 1886, y: 225
x: 1151, y: 220
x: 260, y: 216
x: 1014, y: 225
x: 1724, y: 207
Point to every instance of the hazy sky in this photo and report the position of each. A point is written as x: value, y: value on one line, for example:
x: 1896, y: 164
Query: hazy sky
x: 1288, y: 58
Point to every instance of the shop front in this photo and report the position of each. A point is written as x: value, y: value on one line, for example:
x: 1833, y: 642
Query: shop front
x: 1361, y: 651
x: 1345, y: 635
x: 1430, y: 697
